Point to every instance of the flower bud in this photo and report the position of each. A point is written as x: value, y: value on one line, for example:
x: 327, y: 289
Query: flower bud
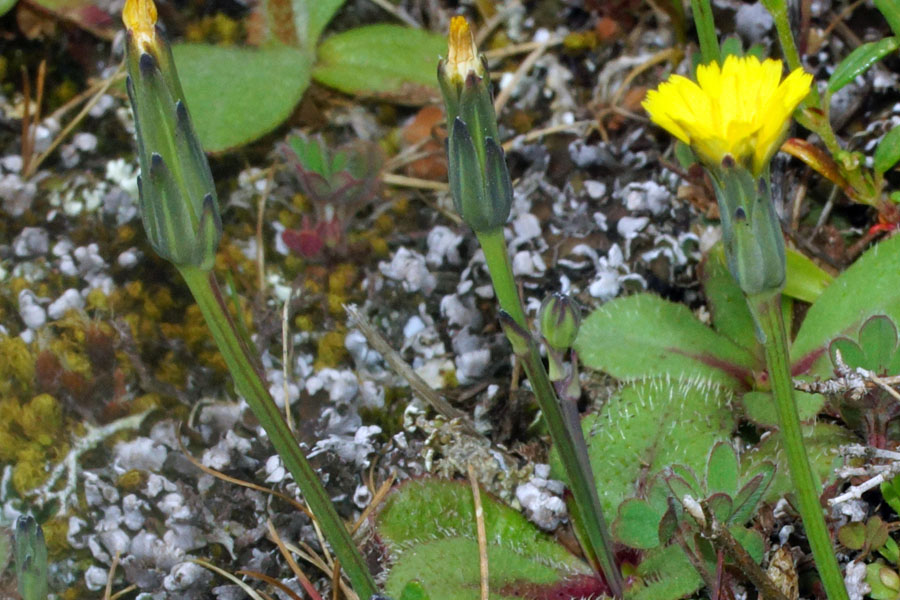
x: 560, y: 319
x: 177, y: 195
x: 31, y: 558
x: 519, y: 337
x: 479, y: 180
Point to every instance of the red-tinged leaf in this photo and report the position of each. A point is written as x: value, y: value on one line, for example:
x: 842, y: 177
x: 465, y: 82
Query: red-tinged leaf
x: 819, y: 160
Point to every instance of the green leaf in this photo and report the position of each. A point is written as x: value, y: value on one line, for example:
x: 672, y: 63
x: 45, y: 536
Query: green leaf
x: 722, y: 470
x: 237, y: 95
x: 871, y: 286
x: 859, y: 61
x: 730, y: 314
x: 822, y: 442
x: 853, y: 535
x: 890, y: 491
x: 890, y: 10
x: 637, y: 524
x: 883, y: 581
x: 747, y: 500
x: 732, y: 46
x: 751, y: 540
x: 650, y: 425
x: 645, y: 336
x: 6, y: 5
x: 684, y: 155
x: 414, y: 591
x: 389, y: 62
x: 888, y: 151
x: 665, y: 574
x: 805, y: 279
x: 760, y: 407
x: 312, y: 16
x: 429, y: 533
x: 720, y: 506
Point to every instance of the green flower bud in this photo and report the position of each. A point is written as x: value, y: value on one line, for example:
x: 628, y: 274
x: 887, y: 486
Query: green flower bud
x: 479, y: 180
x: 31, y: 559
x: 518, y: 336
x: 177, y: 195
x: 560, y: 319
x: 751, y: 231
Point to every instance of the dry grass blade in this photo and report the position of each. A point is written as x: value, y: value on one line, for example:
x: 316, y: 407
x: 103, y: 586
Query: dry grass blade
x: 107, y: 593
x: 76, y: 120
x: 121, y: 593
x: 254, y: 594
x: 414, y: 182
x: 335, y: 581
x: 377, y: 499
x: 271, y: 581
x: 527, y: 64
x: 310, y: 556
x: 482, y: 534
x: 298, y: 572
x: 396, y: 362
x: 241, y: 482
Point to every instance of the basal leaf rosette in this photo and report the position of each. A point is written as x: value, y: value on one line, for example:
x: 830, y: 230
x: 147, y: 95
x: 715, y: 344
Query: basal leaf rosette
x: 741, y: 109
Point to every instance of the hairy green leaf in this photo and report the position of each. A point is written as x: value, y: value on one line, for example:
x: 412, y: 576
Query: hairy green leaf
x: 428, y: 529
x: 650, y: 425
x: 646, y: 336
x: 822, y: 441
x: 871, y: 286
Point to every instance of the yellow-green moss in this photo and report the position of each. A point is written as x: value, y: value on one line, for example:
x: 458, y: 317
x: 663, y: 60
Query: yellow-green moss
x: 304, y: 323
x: 30, y: 469
x: 55, y: 533
x: 132, y: 481
x: 41, y: 419
x: 17, y: 366
x: 330, y: 351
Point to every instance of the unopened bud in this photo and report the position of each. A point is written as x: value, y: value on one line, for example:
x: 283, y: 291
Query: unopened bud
x: 462, y: 55
x: 479, y: 180
x: 177, y: 195
x: 751, y: 231
x: 31, y: 558
x: 560, y: 319
x: 519, y: 337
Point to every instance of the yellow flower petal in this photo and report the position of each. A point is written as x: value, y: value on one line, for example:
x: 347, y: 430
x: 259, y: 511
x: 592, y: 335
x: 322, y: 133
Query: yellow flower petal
x: 139, y: 17
x: 741, y: 108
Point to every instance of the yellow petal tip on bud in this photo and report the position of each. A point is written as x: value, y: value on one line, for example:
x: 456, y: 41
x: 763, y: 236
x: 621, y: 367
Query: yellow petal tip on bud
x: 139, y: 17
x: 462, y: 55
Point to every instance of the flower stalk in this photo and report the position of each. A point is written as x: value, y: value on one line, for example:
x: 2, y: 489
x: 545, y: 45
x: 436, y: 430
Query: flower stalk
x: 735, y: 118
x: 181, y: 218
x: 766, y: 310
x: 482, y: 194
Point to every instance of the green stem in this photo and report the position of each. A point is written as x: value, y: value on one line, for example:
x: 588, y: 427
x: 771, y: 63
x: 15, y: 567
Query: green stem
x: 767, y: 312
x: 249, y: 383
x: 779, y: 11
x: 568, y: 437
x: 706, y: 31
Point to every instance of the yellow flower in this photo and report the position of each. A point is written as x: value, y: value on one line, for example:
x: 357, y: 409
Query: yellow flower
x: 139, y: 17
x: 462, y: 55
x: 741, y: 109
